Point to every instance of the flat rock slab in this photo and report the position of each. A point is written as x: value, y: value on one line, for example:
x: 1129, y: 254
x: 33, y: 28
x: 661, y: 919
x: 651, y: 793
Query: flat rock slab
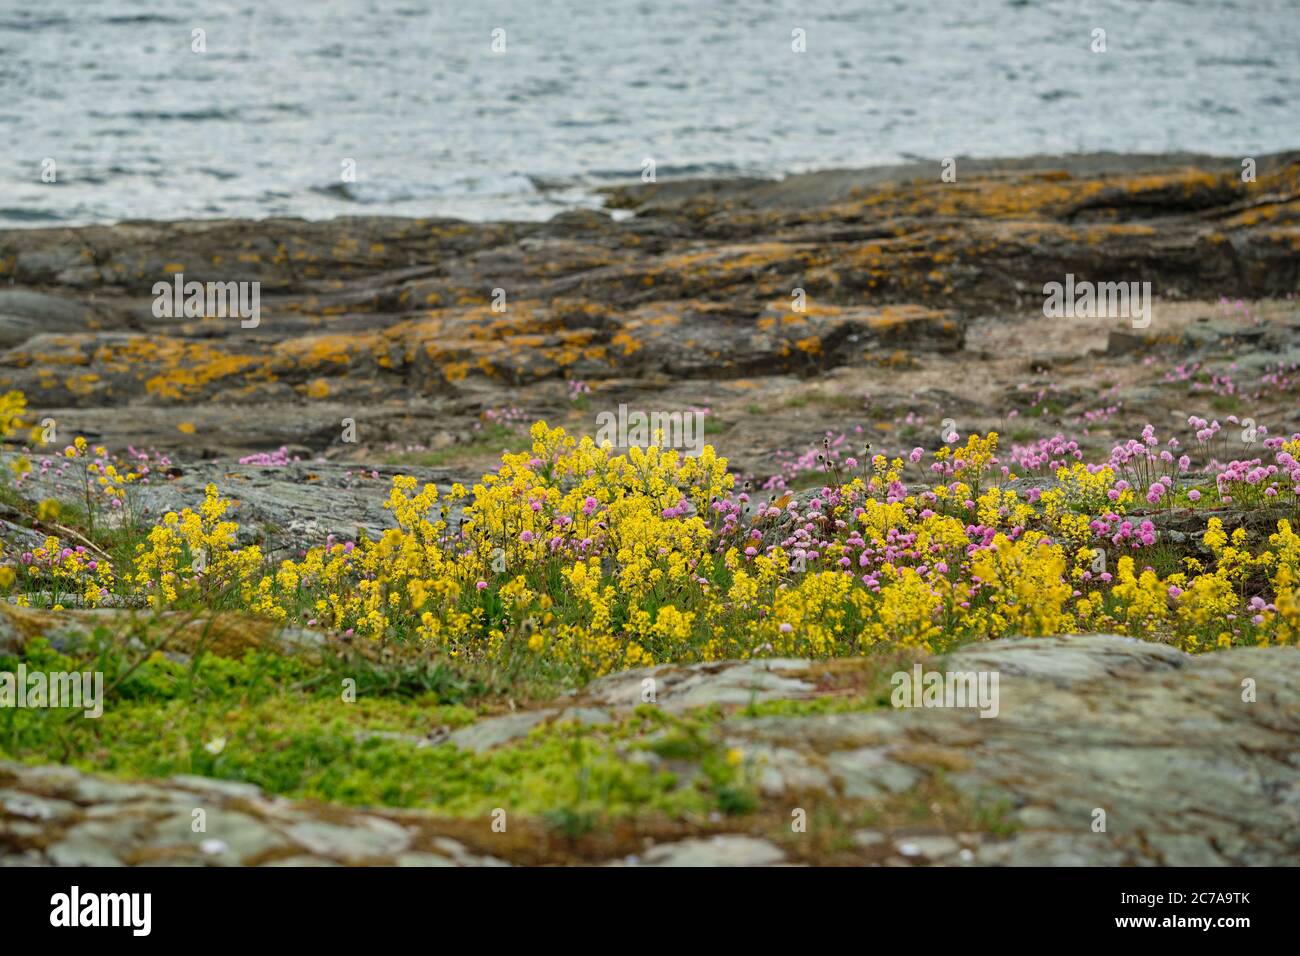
x: 495, y: 731
x: 1064, y: 660
x: 59, y: 816
x: 290, y: 506
x: 678, y: 688
x: 1167, y: 751
x: 724, y: 850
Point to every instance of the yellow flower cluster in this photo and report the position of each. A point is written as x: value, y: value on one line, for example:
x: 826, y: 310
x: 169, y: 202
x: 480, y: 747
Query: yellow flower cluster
x: 60, y: 574
x: 573, y: 557
x: 13, y: 405
x: 194, y: 554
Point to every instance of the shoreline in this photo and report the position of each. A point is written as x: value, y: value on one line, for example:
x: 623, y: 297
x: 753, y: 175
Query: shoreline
x: 817, y: 186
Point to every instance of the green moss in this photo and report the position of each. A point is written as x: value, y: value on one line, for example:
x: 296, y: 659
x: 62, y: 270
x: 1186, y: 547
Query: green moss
x: 261, y: 720
x: 817, y: 705
x: 371, y: 752
x: 678, y: 745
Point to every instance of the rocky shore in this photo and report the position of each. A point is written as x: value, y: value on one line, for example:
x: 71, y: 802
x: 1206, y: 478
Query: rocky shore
x: 919, y: 296
x: 802, y: 318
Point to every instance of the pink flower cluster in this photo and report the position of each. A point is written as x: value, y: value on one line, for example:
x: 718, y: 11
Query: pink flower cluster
x: 270, y: 459
x: 1123, y: 533
x: 1047, y: 453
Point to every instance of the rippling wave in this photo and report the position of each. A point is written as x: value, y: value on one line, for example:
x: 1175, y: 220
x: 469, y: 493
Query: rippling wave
x: 265, y: 121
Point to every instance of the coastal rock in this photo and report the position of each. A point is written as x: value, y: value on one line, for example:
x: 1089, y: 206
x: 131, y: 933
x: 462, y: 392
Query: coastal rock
x: 394, y: 323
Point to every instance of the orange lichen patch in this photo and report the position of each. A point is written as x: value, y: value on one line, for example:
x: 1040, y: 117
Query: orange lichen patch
x: 571, y: 348
x: 455, y: 371
x: 740, y: 258
x: 657, y: 319
x: 185, y: 428
x: 896, y: 359
x: 900, y: 260
x: 457, y: 351
x: 317, y: 388
x: 482, y: 325
x: 253, y: 391
x: 897, y: 315
x: 1263, y: 213
x: 1096, y: 235
x: 529, y: 341
x: 70, y: 353
x: 181, y: 369
x: 625, y: 342
x: 990, y: 198
x: 812, y: 308
x: 313, y: 351
x: 81, y: 384
x: 516, y: 331
x: 1034, y: 196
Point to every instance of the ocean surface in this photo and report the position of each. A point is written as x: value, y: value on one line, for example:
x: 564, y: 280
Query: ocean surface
x: 262, y: 123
